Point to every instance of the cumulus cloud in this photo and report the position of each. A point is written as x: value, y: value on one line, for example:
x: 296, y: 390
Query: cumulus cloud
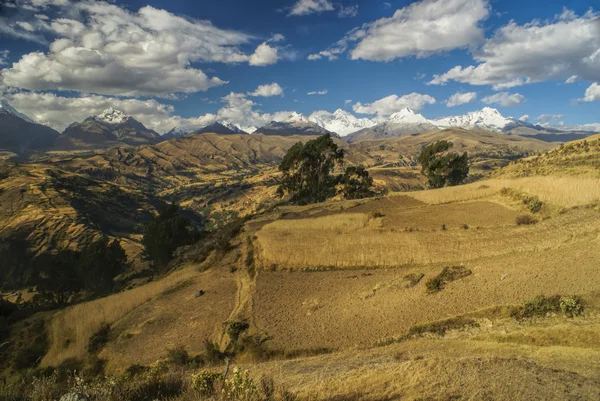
x: 536, y: 51
x: 391, y: 104
x: 306, y: 7
x: 268, y: 90
x: 421, y: 29
x: 264, y: 55
x: 60, y: 111
x: 505, y: 99
x: 321, y: 92
x: 524, y: 118
x: 461, y: 98
x: 592, y: 93
x: 106, y: 49
x: 545, y: 118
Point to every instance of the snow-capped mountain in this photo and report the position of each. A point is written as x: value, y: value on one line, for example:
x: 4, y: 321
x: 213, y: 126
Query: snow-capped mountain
x: 406, y: 121
x: 6, y: 108
x: 112, y: 116
x: 19, y: 133
x: 108, y: 129
x: 295, y: 124
x: 341, y: 122
x: 221, y: 127
x: 487, y: 118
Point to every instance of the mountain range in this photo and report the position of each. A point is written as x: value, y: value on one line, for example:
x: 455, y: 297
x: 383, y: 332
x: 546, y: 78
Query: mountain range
x: 113, y: 128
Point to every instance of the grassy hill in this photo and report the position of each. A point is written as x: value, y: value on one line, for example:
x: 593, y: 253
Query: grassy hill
x: 417, y: 295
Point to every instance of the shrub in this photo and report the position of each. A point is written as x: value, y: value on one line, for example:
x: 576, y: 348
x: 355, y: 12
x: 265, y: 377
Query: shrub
x: 539, y: 306
x: 413, y: 279
x: 571, y: 305
x: 441, y: 327
x: 99, y: 339
x: 525, y: 219
x: 534, y: 204
x: 178, y: 356
x: 434, y: 285
x: 204, y: 382
x: 234, y: 329
x: 448, y: 274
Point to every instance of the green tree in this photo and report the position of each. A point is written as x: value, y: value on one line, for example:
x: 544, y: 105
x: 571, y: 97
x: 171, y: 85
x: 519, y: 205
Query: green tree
x: 99, y: 263
x: 59, y: 277
x: 442, y: 167
x: 165, y: 233
x: 307, y: 170
x: 356, y: 183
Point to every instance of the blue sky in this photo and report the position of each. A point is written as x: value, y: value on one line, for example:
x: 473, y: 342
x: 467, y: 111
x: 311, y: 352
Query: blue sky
x: 171, y: 63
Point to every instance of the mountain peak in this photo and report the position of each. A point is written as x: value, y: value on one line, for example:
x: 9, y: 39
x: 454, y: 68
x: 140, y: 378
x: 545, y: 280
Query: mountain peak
x: 113, y: 116
x: 487, y: 118
x: 407, y: 115
x: 6, y: 108
x: 297, y: 117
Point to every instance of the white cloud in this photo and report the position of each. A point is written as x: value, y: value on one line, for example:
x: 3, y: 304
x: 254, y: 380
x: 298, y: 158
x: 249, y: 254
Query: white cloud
x: 544, y: 118
x: 524, y: 118
x: 572, y: 79
x: 106, y: 49
x: 421, y: 29
x: 321, y: 92
x: 347, y: 102
x: 59, y: 112
x: 461, y: 98
x: 268, y: 90
x: 348, y: 12
x: 264, y: 55
x: 391, y: 104
x: 276, y: 38
x: 306, y: 7
x: 505, y: 99
x: 534, y: 52
x: 592, y: 93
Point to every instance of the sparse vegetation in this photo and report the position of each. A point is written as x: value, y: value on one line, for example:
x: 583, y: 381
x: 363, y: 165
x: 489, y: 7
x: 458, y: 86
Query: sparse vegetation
x: 541, y: 306
x: 525, y: 220
x: 99, y: 339
x: 533, y: 203
x: 447, y: 275
x: 413, y: 279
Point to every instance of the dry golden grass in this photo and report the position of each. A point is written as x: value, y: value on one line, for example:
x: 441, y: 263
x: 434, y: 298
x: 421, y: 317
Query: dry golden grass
x: 316, y: 242
x: 70, y: 329
x: 563, y: 191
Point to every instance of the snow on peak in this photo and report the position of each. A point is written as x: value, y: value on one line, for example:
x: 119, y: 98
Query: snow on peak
x: 487, y: 118
x: 6, y: 108
x: 112, y: 116
x: 297, y: 118
x: 407, y: 116
x: 341, y: 122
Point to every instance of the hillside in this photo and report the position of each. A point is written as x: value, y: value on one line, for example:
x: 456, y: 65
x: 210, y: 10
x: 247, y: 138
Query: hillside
x: 379, y: 255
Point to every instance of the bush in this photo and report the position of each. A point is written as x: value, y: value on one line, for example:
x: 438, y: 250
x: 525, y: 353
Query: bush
x: 534, y: 204
x: 434, y: 285
x: 234, y: 329
x: 525, y: 219
x: 178, y: 356
x: 448, y: 274
x: 204, y: 382
x: 99, y: 339
x: 571, y: 306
